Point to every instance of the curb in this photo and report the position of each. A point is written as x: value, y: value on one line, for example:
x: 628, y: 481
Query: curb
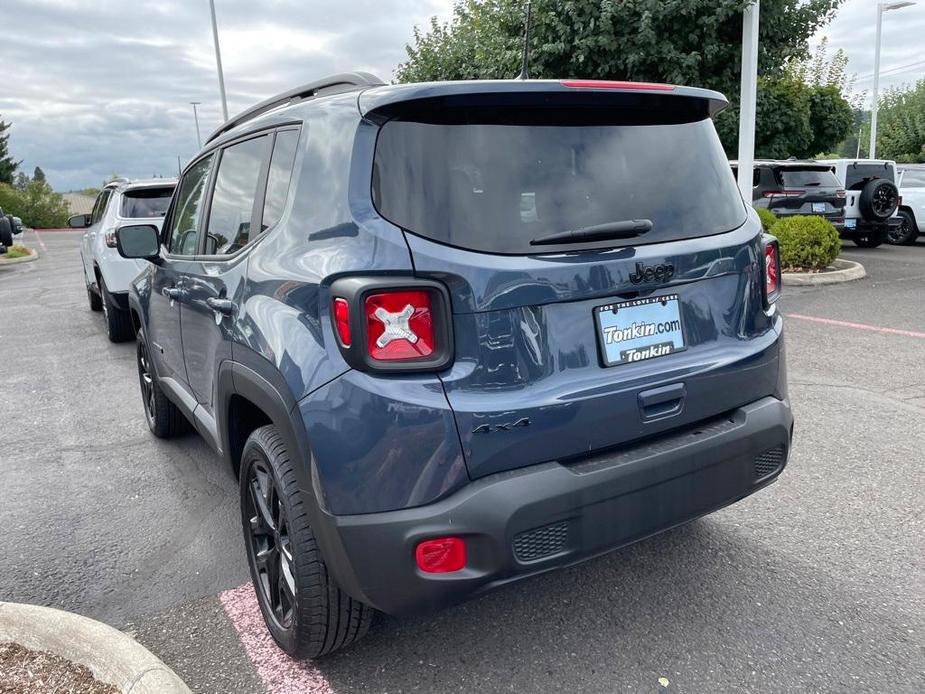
x: 845, y: 271
x: 33, y: 255
x: 112, y: 657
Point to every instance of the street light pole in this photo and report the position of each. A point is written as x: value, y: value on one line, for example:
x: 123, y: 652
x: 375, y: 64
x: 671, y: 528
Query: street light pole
x: 218, y: 60
x: 881, y: 8
x: 748, y: 99
x: 196, y: 117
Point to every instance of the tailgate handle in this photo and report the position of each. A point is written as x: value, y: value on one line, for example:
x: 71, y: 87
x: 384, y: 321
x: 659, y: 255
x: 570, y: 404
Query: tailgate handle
x: 665, y: 401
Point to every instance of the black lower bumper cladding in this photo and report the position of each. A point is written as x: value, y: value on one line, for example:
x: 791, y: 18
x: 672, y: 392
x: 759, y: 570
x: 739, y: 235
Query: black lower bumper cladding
x: 531, y: 520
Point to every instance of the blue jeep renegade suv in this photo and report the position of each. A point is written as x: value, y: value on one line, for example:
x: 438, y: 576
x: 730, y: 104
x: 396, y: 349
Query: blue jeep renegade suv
x: 452, y: 335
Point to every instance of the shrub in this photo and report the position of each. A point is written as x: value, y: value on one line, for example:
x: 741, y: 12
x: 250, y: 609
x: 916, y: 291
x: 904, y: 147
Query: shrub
x: 768, y: 218
x: 806, y: 243
x: 16, y: 251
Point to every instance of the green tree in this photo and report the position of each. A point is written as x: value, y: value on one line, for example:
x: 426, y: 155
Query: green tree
x: 7, y: 165
x: 900, y: 124
x: 695, y: 42
x: 36, y: 204
x: 38, y: 174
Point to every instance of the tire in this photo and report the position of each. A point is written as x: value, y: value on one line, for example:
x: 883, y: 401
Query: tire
x: 309, y: 616
x: 6, y: 232
x: 878, y: 200
x: 906, y: 234
x: 165, y: 420
x: 96, y: 304
x: 119, y: 326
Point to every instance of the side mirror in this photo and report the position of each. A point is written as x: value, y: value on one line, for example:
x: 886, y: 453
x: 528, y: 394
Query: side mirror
x: 79, y: 221
x: 141, y: 241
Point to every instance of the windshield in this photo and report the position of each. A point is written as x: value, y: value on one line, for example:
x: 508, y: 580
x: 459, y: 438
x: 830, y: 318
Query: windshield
x: 808, y: 178
x: 146, y: 202
x: 493, y: 186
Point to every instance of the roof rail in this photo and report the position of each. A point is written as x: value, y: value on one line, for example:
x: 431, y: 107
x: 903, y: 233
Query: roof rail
x: 344, y: 81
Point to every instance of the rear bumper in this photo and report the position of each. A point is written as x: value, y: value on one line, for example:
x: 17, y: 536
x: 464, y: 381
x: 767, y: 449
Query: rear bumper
x: 531, y: 520
x: 863, y: 227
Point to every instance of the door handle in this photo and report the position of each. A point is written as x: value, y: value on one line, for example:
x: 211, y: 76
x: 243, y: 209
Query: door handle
x: 172, y: 293
x: 224, y: 307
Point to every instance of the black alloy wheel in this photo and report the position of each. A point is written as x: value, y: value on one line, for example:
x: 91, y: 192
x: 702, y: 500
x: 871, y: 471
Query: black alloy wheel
x: 146, y: 382
x: 165, y: 420
x: 269, y: 545
x: 884, y: 201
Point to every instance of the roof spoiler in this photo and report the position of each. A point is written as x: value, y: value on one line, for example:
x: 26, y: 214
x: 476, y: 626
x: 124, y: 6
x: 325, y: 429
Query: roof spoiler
x: 381, y: 102
x: 345, y: 81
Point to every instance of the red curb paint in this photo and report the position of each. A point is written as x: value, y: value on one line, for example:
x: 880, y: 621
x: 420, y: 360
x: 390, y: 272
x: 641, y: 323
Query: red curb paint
x: 857, y: 326
x: 279, y: 673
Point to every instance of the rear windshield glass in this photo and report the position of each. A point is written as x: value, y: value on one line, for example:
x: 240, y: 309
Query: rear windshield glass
x: 857, y: 175
x: 146, y: 202
x: 493, y: 186
x: 808, y: 178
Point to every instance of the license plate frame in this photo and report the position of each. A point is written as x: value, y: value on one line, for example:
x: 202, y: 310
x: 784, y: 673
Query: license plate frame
x: 818, y: 208
x: 624, y: 338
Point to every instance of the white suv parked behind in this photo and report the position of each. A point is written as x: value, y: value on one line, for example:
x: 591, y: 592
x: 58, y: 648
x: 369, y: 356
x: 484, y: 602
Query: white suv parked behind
x: 106, y: 273
x: 872, y: 199
x: 911, y: 205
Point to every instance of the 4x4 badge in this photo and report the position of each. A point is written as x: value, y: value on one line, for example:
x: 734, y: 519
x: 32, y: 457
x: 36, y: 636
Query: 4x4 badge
x: 491, y: 428
x: 659, y: 273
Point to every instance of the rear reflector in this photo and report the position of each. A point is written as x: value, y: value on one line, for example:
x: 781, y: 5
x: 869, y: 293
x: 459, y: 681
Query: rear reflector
x: 399, y: 325
x: 342, y: 320
x: 610, y: 84
x: 441, y: 555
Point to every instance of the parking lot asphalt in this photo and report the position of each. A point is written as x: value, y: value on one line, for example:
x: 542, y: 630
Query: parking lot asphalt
x: 816, y: 584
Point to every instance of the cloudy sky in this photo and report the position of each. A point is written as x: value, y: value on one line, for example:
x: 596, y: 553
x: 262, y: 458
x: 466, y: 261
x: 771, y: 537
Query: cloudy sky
x: 103, y: 87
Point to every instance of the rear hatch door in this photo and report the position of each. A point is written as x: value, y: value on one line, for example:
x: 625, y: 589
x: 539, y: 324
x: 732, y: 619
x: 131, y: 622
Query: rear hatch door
x: 570, y: 349
x: 807, y: 190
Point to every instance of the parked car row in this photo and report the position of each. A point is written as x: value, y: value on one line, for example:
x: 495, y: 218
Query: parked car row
x: 438, y: 351
x: 860, y: 197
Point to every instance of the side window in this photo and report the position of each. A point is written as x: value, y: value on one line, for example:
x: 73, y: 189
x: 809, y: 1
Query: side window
x: 284, y: 152
x: 756, y: 177
x: 99, y: 208
x: 183, y: 235
x: 232, y: 207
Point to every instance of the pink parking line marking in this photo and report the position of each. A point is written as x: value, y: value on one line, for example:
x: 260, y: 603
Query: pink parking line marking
x: 280, y: 674
x: 857, y: 326
x: 39, y: 239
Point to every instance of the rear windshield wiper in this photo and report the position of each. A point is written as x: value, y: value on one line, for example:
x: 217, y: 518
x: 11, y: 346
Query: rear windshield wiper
x: 624, y: 229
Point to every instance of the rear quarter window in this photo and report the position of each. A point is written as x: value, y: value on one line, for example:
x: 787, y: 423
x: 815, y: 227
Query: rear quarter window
x: 494, y: 184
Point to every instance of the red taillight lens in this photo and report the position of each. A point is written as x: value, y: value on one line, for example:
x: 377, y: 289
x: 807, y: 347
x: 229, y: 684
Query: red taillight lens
x: 612, y: 84
x: 399, y: 325
x: 771, y: 271
x: 441, y: 555
x: 342, y: 320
